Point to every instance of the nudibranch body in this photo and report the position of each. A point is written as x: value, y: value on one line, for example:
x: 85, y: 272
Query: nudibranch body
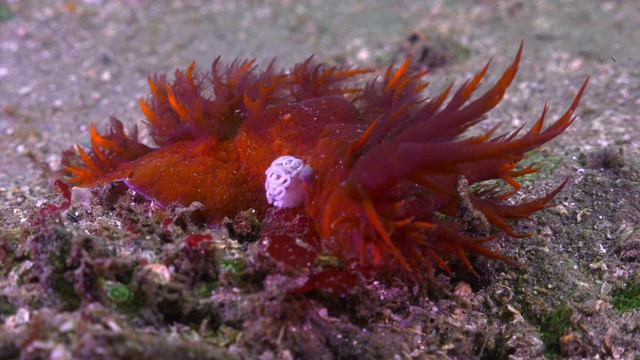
x: 375, y: 167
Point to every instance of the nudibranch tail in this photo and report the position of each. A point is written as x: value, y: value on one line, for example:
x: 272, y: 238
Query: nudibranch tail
x: 106, y: 154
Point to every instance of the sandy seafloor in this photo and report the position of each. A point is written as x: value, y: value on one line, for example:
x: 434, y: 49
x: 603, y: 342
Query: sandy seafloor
x: 66, y: 64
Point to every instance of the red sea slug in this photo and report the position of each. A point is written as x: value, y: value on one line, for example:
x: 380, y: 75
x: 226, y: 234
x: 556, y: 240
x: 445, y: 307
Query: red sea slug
x: 376, y: 167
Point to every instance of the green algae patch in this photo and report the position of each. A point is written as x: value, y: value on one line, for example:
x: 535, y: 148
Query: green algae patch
x: 5, y: 12
x: 553, y: 326
x: 627, y: 299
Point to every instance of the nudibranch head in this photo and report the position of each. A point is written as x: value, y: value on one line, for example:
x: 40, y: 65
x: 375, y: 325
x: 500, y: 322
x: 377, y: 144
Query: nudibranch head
x: 284, y: 181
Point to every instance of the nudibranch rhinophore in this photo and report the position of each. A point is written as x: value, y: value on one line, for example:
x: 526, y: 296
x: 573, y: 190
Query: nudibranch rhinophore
x: 375, y: 167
